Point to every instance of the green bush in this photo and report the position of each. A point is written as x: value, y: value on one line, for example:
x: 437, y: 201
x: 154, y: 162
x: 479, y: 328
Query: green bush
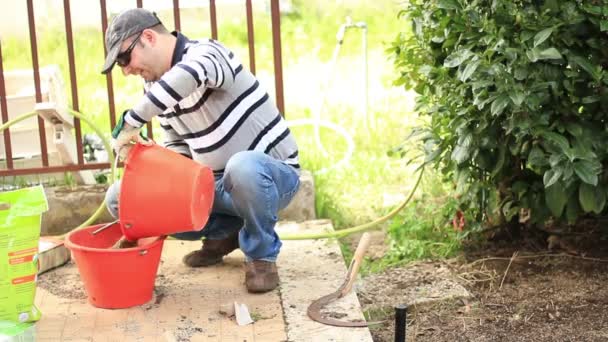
x: 515, y: 93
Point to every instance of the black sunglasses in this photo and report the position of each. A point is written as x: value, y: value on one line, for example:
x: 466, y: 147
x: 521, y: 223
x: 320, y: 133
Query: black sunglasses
x: 124, y: 58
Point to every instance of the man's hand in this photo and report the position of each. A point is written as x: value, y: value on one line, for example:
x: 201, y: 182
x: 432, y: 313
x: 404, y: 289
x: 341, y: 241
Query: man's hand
x: 123, y: 135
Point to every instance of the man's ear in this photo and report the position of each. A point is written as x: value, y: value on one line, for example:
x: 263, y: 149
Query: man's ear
x: 149, y: 36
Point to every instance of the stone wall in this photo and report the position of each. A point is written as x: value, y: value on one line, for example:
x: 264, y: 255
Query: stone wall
x: 69, y: 207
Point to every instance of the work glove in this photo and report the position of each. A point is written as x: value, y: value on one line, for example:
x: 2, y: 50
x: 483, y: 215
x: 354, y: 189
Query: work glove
x: 124, y: 135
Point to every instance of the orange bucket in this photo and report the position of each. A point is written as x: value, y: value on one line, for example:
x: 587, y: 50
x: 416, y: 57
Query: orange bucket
x: 163, y: 192
x: 115, y: 278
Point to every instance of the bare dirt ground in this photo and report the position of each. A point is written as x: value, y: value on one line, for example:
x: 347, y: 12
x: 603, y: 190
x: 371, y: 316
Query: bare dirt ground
x: 540, y: 287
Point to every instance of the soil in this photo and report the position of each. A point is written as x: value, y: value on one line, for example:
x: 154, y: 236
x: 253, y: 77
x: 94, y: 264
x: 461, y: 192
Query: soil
x: 186, y: 329
x: 521, y: 291
x: 63, y: 282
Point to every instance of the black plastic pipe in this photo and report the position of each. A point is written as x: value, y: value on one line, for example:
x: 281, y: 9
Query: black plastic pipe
x: 400, y: 320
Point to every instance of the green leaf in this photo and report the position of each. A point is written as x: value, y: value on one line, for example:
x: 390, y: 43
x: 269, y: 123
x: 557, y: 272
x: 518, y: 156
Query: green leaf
x: 585, y: 170
x: 597, y: 10
x: 521, y: 73
x: 483, y: 159
x: 552, y: 176
x: 525, y: 35
x: 550, y: 53
x: 572, y: 210
x: 509, y: 210
x: 592, y: 198
x: 568, y: 172
x: 456, y: 58
x: 469, y: 70
x: 533, y: 55
x: 448, y: 4
x: 555, y: 158
x: 587, y: 198
x: 558, y: 139
x: 462, y: 177
x: 541, y: 36
x: 438, y: 39
x: 604, y: 25
x: 517, y: 98
x: 591, y: 99
x: 431, y: 156
x: 520, y: 188
x: 501, y: 160
x: 460, y: 154
x: 586, y: 65
x: 499, y: 104
x: 574, y: 128
x: 570, y: 154
x: 583, y: 150
x: 556, y: 199
x: 600, y: 199
x: 537, y: 157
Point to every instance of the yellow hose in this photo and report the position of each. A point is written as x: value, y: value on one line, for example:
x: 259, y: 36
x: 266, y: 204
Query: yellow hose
x: 360, y: 228
x: 313, y: 236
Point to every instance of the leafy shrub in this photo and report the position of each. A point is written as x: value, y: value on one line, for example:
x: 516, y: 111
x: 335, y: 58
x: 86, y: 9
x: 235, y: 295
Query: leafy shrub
x: 516, y: 96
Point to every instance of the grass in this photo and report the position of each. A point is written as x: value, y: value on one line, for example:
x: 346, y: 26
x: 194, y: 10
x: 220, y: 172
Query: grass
x: 372, y: 181
x: 307, y: 34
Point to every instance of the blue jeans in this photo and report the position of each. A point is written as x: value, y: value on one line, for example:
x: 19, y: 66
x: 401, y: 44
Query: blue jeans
x: 248, y: 197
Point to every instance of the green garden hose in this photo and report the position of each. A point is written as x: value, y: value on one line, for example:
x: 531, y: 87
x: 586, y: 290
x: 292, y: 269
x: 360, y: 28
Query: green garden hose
x: 314, y: 236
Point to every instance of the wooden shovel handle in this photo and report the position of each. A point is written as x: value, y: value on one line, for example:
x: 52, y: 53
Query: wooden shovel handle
x: 356, y: 263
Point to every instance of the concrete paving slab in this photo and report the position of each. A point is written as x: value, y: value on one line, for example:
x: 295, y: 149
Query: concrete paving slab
x: 51, y: 253
x: 186, y: 303
x: 308, y: 270
x: 185, y: 306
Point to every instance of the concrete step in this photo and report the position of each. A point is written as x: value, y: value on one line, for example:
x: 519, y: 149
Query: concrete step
x: 310, y: 269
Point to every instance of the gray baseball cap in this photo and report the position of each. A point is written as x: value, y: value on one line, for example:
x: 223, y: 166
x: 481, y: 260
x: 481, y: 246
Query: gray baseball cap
x: 123, y: 26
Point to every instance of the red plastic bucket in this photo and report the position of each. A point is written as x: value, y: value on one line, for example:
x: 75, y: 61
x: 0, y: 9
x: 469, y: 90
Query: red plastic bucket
x: 163, y: 192
x: 115, y: 278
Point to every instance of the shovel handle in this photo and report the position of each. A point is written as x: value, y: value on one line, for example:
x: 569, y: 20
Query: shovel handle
x: 356, y: 262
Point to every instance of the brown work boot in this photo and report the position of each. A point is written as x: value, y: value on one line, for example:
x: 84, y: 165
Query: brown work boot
x: 212, y: 252
x: 261, y: 276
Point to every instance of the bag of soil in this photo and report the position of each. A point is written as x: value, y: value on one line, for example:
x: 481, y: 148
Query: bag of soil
x: 20, y: 220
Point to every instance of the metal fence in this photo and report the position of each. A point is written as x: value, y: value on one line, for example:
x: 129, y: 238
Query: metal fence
x: 11, y: 170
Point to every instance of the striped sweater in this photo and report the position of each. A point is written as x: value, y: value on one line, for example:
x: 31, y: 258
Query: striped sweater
x: 210, y: 108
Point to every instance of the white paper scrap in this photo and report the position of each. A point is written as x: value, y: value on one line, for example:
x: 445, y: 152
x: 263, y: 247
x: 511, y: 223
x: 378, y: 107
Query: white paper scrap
x: 242, y: 314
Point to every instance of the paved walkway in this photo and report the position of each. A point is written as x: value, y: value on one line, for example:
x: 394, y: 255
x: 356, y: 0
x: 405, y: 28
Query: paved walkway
x: 186, y: 305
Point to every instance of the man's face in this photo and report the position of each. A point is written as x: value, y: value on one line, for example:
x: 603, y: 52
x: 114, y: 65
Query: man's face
x: 143, y: 60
